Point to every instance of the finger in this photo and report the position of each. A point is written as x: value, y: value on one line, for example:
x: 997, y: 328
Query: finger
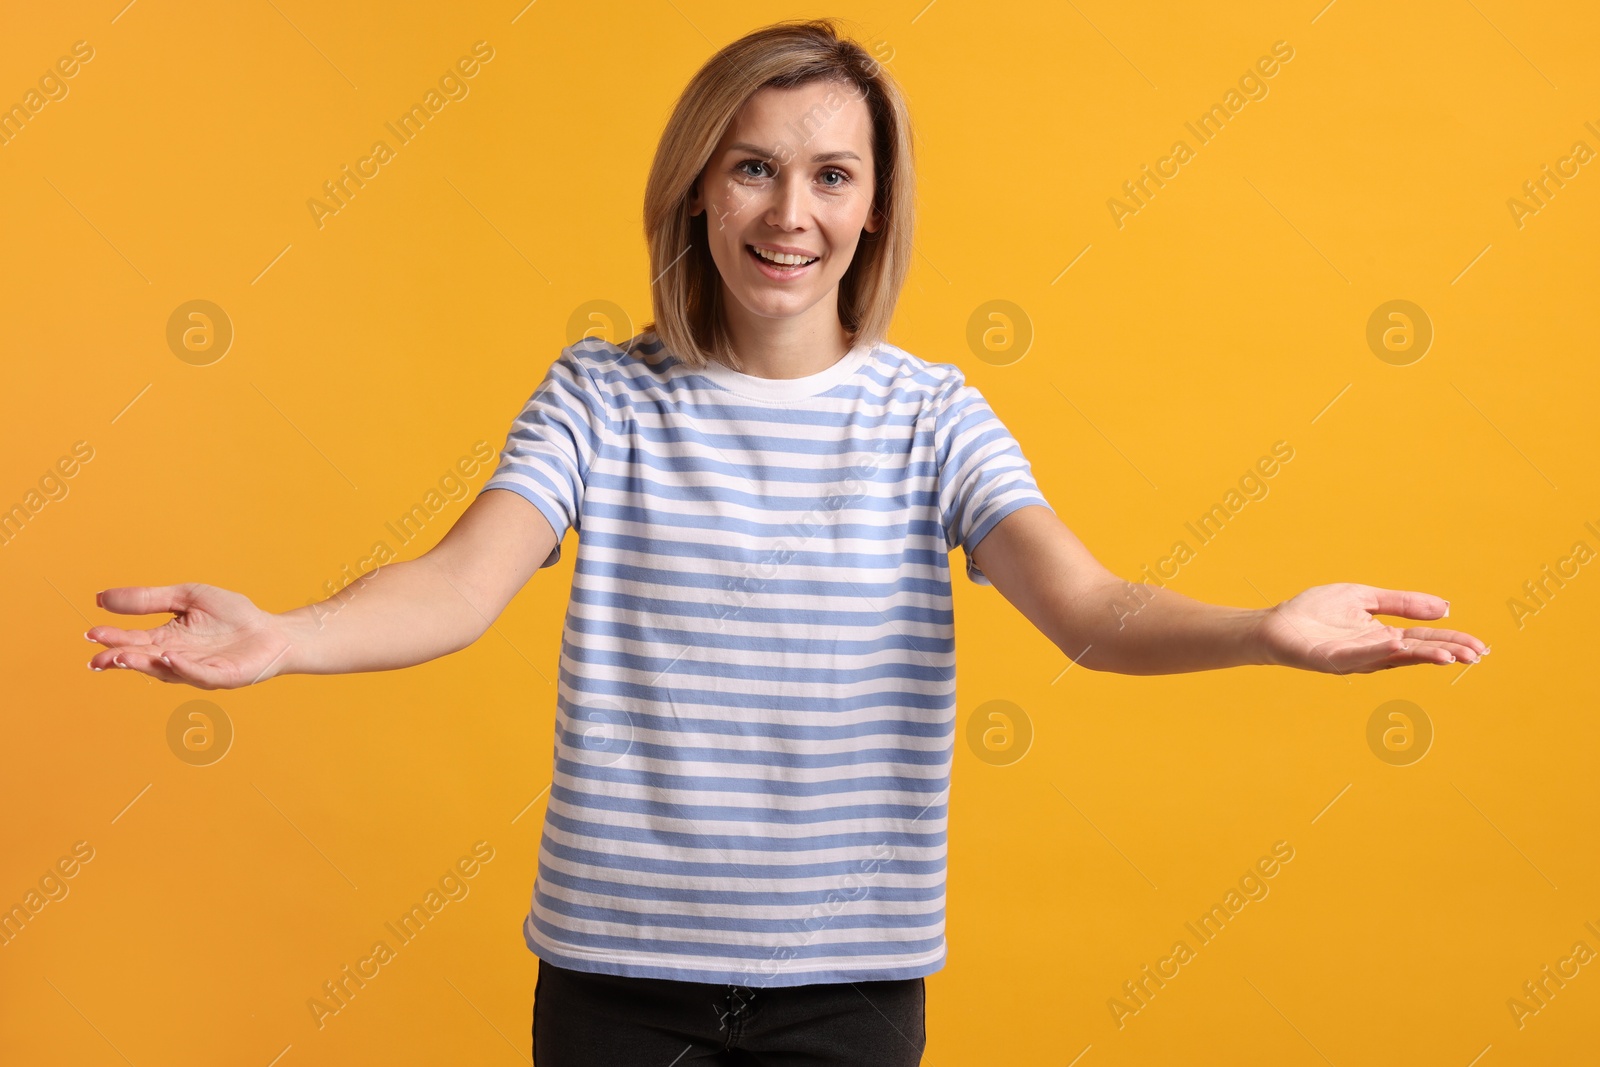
x: 1413, y: 653
x: 145, y: 662
x: 1354, y: 659
x: 114, y: 637
x: 147, y: 599
x: 106, y: 659
x: 1406, y: 604
x: 1454, y: 638
x: 184, y: 667
x: 1392, y: 652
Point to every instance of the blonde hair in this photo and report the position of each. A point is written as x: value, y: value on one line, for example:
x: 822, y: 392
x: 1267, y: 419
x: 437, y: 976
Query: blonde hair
x: 685, y: 287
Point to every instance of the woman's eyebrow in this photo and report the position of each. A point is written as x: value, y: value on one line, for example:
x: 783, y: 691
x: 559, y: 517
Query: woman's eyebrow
x: 767, y: 153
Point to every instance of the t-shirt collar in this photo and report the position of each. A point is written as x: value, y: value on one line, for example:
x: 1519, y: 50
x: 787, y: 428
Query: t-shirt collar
x: 758, y: 388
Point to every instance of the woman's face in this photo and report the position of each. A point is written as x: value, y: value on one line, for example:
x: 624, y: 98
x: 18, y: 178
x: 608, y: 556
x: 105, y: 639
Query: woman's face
x: 793, y: 174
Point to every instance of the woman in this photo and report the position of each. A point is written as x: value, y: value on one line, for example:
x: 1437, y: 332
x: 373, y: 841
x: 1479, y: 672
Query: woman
x: 743, y: 855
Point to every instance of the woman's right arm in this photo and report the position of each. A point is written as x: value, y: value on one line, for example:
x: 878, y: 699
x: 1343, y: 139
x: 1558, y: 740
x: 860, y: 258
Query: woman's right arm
x: 394, y: 616
x: 410, y: 612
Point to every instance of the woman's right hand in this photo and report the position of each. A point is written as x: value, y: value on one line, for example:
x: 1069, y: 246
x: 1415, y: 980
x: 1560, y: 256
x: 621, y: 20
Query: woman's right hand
x: 216, y: 640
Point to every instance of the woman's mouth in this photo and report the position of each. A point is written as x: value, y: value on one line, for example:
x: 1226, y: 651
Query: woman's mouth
x: 791, y: 268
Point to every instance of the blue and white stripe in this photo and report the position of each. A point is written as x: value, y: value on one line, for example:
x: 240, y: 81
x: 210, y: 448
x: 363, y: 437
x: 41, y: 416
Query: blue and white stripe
x: 756, y: 704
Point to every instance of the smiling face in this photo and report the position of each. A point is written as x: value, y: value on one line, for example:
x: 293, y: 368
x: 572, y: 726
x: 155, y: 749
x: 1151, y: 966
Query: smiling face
x: 792, y: 177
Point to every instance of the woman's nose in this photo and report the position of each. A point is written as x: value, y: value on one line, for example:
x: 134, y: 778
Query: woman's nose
x: 787, y: 210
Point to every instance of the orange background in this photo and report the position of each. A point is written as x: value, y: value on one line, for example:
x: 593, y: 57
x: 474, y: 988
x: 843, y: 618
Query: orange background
x: 1230, y: 312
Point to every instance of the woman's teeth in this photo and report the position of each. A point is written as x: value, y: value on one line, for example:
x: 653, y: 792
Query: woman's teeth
x: 782, y: 259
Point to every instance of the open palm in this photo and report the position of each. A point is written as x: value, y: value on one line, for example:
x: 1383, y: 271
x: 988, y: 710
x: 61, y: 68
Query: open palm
x: 217, y: 639
x: 1330, y: 628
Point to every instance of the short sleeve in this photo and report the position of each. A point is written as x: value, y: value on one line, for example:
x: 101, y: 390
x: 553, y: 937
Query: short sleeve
x: 552, y: 443
x: 983, y: 475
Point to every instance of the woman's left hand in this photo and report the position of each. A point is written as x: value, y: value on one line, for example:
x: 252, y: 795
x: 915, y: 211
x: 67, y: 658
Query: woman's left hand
x: 1330, y: 628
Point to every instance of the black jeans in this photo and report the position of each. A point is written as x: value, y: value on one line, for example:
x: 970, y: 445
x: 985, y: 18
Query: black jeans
x: 601, y: 1020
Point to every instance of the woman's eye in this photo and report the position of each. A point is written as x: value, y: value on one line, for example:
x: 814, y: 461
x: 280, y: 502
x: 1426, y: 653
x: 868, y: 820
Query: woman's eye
x: 762, y: 170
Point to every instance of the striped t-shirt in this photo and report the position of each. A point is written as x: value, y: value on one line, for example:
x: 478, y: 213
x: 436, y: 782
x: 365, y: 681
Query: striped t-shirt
x: 756, y: 703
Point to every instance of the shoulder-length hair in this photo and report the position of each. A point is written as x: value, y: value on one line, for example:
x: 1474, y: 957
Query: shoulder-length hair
x: 685, y: 288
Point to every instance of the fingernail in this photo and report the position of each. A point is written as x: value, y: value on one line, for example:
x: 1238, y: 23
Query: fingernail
x: 92, y: 667
x: 1446, y: 609
x: 165, y: 660
x: 118, y: 662
x: 86, y: 636
x: 97, y: 597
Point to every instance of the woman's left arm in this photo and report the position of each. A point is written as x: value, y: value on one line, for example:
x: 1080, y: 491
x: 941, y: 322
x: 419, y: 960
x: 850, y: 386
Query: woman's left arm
x: 1107, y: 624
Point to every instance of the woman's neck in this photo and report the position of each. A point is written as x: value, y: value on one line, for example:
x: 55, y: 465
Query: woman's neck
x: 787, y: 348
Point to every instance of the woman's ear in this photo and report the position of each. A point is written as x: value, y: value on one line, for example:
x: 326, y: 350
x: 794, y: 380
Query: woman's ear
x: 873, y: 220
x: 695, y: 206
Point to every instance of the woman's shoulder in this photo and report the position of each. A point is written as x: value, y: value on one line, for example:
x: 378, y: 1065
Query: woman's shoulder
x: 597, y: 351
x: 907, y: 364
x: 633, y: 363
x: 912, y: 373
